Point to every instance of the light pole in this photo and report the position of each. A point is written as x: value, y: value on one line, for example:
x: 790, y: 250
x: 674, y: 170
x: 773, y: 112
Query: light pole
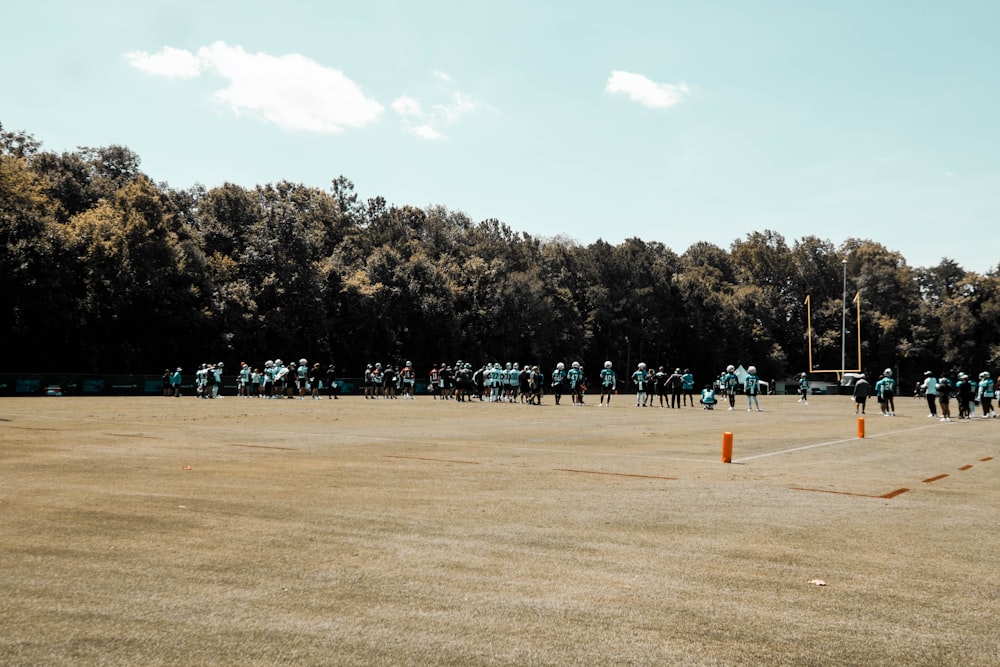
x: 843, y: 327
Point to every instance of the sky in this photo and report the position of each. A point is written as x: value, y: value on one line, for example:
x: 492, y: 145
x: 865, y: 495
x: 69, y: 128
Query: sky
x: 670, y: 121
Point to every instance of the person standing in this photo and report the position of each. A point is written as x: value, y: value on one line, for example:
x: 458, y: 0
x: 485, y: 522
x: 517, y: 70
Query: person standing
x: 861, y: 391
x: 558, y: 381
x: 315, y: 378
x: 944, y: 398
x: 609, y: 383
x: 729, y: 382
x: 687, y: 385
x: 409, y: 377
x: 751, y: 386
x: 987, y: 390
x: 929, y: 388
x: 675, y: 383
x: 537, y: 385
x: 332, y: 385
x: 804, y: 388
x: 889, y: 392
x: 963, y: 395
x: 217, y: 380
x: 301, y: 379
x: 175, y: 382
x: 524, y: 389
x: 268, y: 379
x: 641, y: 379
x: 389, y: 382
x: 659, y: 382
x: 574, y: 377
x: 243, y: 380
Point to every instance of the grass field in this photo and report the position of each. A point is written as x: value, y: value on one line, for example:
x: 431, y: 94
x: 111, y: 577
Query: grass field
x: 155, y: 531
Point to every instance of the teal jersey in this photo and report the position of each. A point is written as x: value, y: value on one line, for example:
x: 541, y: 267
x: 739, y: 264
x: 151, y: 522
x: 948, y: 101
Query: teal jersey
x: 608, y: 378
x: 986, y: 388
x: 751, y: 385
x: 687, y: 382
x: 730, y: 382
x: 575, y: 376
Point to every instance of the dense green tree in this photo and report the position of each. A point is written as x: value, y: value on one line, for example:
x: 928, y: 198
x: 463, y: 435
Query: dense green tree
x: 38, y: 311
x: 135, y: 298
x: 110, y: 271
x: 889, y: 299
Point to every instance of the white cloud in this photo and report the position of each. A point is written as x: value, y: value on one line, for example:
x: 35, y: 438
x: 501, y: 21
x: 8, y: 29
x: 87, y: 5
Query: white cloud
x: 425, y: 132
x: 461, y: 104
x: 170, y: 62
x: 645, y: 91
x: 407, y: 106
x: 291, y: 91
x: 430, y: 124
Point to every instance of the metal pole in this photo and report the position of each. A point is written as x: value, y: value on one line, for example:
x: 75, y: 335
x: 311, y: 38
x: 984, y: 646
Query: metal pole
x: 843, y: 327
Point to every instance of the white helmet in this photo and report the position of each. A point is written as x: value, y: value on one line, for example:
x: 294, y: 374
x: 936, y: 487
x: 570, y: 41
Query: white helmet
x: 984, y: 375
x: 642, y: 365
x: 607, y: 364
x: 887, y: 372
x: 730, y: 368
x: 576, y: 364
x: 560, y: 365
x: 279, y: 362
x: 803, y: 375
x: 752, y: 370
x: 302, y: 362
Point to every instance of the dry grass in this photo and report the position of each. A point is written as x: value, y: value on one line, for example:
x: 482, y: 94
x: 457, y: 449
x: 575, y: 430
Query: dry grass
x: 430, y: 533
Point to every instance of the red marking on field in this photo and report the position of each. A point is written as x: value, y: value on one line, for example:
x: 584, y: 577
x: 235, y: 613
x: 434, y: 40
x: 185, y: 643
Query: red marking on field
x: 613, y: 474
x: 424, y: 458
x: 934, y: 479
x: 988, y: 458
x: 886, y: 496
x: 287, y: 449
x: 965, y: 467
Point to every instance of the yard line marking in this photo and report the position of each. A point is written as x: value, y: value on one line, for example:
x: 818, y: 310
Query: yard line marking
x: 965, y: 467
x: 289, y: 449
x: 425, y: 458
x: 886, y: 496
x: 934, y: 479
x: 613, y: 474
x: 824, y: 444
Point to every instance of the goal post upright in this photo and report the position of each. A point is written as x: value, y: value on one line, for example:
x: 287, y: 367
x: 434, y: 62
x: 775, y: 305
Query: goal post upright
x: 838, y: 371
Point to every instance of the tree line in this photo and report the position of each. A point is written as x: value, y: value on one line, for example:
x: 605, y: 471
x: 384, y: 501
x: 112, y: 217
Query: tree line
x: 108, y: 271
